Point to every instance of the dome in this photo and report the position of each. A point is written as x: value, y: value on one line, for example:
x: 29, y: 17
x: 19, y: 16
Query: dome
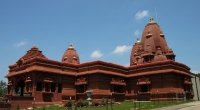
x: 71, y: 56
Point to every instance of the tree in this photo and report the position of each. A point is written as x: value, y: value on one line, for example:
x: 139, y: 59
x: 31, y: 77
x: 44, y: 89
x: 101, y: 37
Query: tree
x: 3, y: 88
x: 198, y: 75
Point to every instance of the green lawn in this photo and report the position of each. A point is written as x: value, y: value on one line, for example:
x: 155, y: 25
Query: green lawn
x: 123, y: 106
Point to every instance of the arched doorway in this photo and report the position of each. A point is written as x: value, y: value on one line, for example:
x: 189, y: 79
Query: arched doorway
x: 20, y: 87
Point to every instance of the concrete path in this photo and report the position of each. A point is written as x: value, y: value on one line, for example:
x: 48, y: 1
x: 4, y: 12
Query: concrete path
x: 188, y: 106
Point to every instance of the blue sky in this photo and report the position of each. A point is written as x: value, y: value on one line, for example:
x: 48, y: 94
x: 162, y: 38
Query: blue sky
x: 100, y: 30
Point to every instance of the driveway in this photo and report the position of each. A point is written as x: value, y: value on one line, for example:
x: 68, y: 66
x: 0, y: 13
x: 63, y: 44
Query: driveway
x: 188, y: 106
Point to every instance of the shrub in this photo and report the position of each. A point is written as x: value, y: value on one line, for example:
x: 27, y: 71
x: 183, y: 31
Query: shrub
x: 95, y: 103
x: 17, y: 107
x: 68, y: 104
x: 103, y: 102
x: 80, y: 103
x: 85, y: 103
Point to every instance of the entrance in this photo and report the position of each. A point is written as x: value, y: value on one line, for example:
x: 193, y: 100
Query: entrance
x: 20, y: 88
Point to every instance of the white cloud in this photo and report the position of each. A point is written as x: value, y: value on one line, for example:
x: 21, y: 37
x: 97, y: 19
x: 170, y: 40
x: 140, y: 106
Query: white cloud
x: 195, y: 71
x: 122, y: 49
x: 21, y: 43
x: 96, y: 54
x: 140, y: 15
x: 137, y: 32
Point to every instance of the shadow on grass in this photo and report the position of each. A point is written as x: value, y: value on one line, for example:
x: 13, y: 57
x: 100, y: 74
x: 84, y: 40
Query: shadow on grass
x: 125, y: 106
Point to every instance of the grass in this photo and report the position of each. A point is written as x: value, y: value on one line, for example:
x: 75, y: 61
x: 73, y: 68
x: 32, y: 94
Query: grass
x: 124, y: 106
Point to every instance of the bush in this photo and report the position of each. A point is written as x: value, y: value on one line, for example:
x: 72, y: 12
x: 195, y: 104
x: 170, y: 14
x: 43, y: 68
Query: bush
x: 68, y: 104
x: 85, y: 103
x: 103, y: 102
x: 95, y: 103
x: 80, y: 103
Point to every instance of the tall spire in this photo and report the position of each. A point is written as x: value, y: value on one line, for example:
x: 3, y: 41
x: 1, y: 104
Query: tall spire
x: 153, y: 46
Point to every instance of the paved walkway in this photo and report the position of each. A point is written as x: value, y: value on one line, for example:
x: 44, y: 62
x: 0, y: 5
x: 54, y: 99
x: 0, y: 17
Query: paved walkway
x: 188, y: 106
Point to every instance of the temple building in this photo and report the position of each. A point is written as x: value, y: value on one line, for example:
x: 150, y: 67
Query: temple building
x: 35, y: 80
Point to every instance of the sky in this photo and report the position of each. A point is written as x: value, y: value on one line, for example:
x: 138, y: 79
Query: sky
x: 99, y: 29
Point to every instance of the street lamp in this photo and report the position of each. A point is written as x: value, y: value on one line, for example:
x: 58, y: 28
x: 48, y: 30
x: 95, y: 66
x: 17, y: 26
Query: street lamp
x: 69, y: 104
x: 158, y: 96
x: 171, y: 95
x: 139, y: 98
x: 106, y: 102
x: 111, y: 100
x: 4, y: 102
x: 33, y: 103
x: 135, y: 101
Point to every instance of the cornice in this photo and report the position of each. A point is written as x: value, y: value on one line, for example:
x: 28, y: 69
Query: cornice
x: 51, y: 66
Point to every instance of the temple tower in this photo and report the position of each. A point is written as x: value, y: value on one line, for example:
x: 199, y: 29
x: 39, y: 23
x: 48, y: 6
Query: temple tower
x: 153, y: 46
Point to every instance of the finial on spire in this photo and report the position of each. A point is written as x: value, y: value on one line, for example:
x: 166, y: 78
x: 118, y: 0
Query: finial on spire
x: 151, y: 20
x: 138, y: 41
x: 34, y: 46
x: 71, y: 46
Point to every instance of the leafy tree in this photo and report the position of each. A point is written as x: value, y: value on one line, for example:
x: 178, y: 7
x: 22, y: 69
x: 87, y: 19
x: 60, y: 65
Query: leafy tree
x: 3, y: 88
x: 198, y: 75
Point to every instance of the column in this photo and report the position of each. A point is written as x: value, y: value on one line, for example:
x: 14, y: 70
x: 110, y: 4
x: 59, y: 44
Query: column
x: 33, y: 88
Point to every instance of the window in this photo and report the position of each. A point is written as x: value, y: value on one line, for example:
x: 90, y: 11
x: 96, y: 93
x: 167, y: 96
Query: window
x: 144, y: 88
x: 39, y: 86
x: 47, y: 87
x: 65, y: 58
x: 74, y: 58
x: 118, y: 88
x: 146, y: 59
x: 80, y: 89
x: 10, y: 89
x: 53, y: 88
x: 28, y: 87
x: 59, y: 88
x: 187, y: 87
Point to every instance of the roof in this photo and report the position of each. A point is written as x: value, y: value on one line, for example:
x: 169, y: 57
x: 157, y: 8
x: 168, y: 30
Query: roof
x: 71, y: 56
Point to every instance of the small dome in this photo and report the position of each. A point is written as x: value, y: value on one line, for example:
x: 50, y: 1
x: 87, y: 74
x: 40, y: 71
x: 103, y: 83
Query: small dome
x: 71, y: 56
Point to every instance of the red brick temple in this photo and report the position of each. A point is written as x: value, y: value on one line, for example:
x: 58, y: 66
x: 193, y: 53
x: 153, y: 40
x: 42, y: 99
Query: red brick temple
x: 35, y: 80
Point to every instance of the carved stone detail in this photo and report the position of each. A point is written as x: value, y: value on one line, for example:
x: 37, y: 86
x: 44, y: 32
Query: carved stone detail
x: 81, y: 80
x: 117, y: 81
x: 187, y: 81
x: 143, y: 81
